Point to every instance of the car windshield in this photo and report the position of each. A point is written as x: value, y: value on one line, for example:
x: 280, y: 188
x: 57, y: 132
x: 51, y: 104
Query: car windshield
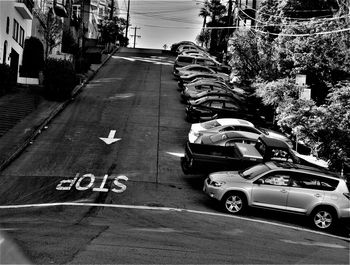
x: 210, y: 124
x: 254, y: 171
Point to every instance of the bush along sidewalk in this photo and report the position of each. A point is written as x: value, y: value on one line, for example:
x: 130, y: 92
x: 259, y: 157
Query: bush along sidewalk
x: 7, y: 79
x: 59, y: 79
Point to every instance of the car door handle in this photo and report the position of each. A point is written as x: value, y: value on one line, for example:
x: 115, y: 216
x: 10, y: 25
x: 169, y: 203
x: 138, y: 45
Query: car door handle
x: 284, y: 191
x: 318, y: 195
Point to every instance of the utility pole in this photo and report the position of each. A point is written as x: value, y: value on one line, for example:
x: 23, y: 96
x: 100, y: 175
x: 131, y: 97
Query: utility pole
x: 229, y: 17
x: 127, y: 20
x: 83, y: 15
x: 135, y: 29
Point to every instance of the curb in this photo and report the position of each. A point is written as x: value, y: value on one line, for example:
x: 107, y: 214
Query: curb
x: 60, y: 107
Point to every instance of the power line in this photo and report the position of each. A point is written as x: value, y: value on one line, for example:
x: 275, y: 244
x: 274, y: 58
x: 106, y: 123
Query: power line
x: 286, y: 34
x: 290, y: 18
x: 302, y: 22
x: 303, y: 35
x: 169, y: 27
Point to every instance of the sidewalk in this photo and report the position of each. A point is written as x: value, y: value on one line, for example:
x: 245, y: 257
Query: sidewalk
x: 24, y: 114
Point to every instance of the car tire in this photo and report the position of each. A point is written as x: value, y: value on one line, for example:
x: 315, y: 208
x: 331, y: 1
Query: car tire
x: 234, y: 203
x: 186, y: 168
x: 323, y: 218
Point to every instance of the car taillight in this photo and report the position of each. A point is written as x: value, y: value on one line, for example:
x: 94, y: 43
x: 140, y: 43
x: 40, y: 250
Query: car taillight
x: 347, y: 195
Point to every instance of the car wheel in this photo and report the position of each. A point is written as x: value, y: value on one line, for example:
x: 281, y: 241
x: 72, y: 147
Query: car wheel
x: 234, y: 203
x: 323, y: 218
x: 186, y: 168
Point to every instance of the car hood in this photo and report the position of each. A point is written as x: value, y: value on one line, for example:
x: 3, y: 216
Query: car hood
x: 226, y: 176
x: 196, y: 127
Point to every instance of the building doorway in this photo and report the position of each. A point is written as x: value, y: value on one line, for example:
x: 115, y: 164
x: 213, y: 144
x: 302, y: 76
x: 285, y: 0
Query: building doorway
x: 14, y: 63
x: 5, y: 53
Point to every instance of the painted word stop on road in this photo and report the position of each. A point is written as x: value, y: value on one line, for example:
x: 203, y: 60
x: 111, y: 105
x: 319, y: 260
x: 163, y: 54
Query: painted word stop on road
x: 87, y: 182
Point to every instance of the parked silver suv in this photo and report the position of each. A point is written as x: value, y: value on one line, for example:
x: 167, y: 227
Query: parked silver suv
x: 285, y: 187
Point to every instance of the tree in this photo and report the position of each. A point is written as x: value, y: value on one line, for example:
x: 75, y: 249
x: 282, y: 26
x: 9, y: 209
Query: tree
x: 204, y: 13
x: 51, y: 28
x: 33, y: 58
x: 216, y: 10
x: 317, y: 47
x: 203, y: 38
x: 325, y: 128
x: 112, y: 30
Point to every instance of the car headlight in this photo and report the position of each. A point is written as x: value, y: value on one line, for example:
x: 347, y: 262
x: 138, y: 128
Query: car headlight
x: 217, y: 183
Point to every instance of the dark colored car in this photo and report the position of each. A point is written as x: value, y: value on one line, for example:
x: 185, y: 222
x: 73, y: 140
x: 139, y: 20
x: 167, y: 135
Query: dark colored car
x: 213, y: 93
x: 213, y: 108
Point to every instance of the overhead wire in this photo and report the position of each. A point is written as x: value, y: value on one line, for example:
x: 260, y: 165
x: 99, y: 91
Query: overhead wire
x: 301, y: 22
x: 294, y: 35
x: 303, y: 34
x: 302, y: 19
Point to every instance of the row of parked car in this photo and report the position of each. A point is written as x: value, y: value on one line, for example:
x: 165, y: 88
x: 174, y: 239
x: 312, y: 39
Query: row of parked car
x: 249, y: 165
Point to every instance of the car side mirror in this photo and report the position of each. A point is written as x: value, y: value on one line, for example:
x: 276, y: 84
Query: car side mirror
x: 259, y: 181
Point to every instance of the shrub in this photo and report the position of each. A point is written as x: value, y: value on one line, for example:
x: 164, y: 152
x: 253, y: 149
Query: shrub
x: 7, y: 79
x: 82, y: 65
x: 59, y: 79
x: 33, y: 58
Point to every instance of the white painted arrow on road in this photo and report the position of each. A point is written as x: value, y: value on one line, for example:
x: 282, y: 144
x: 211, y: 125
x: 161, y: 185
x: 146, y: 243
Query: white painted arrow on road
x: 110, y: 139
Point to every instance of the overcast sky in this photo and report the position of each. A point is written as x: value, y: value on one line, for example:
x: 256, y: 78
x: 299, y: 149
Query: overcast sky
x: 162, y: 21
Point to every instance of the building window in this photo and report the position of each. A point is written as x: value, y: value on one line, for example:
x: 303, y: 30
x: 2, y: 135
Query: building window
x: 21, y: 37
x: 8, y: 25
x: 100, y: 11
x: 15, y: 30
x: 76, y: 11
x: 5, y: 52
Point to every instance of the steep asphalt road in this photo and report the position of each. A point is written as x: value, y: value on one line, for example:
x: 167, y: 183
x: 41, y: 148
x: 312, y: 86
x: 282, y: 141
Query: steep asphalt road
x: 128, y: 202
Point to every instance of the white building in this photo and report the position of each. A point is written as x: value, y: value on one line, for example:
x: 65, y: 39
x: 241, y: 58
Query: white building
x: 43, y: 7
x: 15, y: 26
x: 95, y: 12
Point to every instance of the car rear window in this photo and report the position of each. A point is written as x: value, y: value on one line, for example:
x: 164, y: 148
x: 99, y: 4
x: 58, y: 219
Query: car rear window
x: 328, y: 184
x: 184, y: 59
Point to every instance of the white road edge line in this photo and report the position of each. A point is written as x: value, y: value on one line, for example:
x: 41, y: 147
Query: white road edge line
x: 141, y: 207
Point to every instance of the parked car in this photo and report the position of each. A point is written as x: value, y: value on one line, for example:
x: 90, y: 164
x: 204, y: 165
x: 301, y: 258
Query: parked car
x: 202, y: 84
x: 199, y: 83
x: 197, y: 128
x: 214, y: 108
x: 176, y: 45
x: 196, y: 68
x: 203, y: 158
x: 184, y: 79
x: 183, y: 60
x: 187, y: 47
x: 194, y: 53
x: 298, y: 189
x: 188, y: 75
x: 227, y: 96
x: 192, y: 68
x: 244, y: 128
x: 229, y: 138
x: 210, y: 93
